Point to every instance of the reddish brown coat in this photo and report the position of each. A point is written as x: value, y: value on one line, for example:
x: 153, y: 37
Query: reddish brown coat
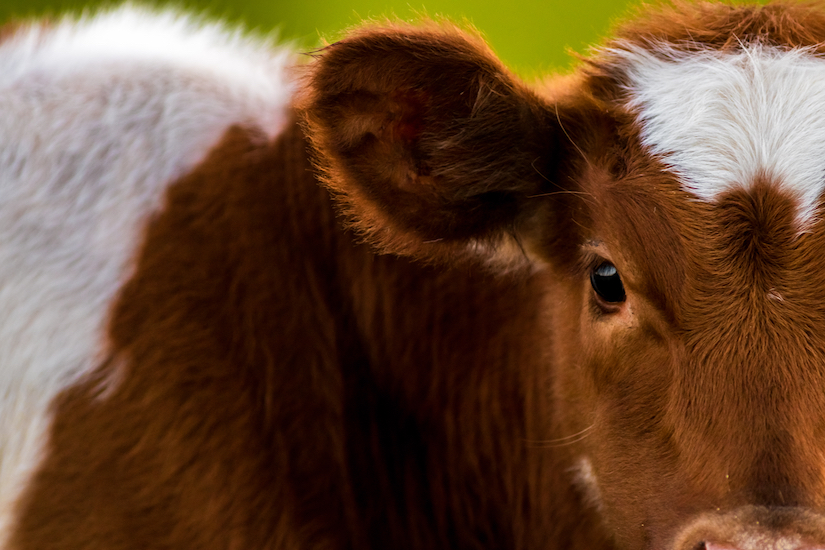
x: 282, y: 385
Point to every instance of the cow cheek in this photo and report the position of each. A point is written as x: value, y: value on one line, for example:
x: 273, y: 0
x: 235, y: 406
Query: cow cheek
x: 634, y: 457
x: 617, y: 384
x: 572, y: 392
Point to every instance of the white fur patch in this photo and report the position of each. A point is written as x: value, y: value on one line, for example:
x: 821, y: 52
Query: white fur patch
x: 720, y: 120
x: 585, y: 479
x: 97, y: 117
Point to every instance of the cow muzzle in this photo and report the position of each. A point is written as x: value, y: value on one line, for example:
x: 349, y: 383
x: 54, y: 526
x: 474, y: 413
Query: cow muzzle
x: 754, y: 528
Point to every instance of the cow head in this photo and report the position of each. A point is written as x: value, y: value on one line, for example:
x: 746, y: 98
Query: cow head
x: 671, y: 191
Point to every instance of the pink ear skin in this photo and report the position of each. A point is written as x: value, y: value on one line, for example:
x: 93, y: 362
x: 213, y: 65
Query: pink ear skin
x: 428, y: 141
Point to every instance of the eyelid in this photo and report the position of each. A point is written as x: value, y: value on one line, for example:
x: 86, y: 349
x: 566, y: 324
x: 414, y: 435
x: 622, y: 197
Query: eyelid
x: 592, y: 256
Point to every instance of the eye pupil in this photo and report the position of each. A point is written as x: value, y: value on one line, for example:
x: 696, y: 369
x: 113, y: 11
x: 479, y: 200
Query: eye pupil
x: 607, y: 283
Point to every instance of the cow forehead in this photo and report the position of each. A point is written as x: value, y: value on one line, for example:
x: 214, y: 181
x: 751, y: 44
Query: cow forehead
x: 721, y: 120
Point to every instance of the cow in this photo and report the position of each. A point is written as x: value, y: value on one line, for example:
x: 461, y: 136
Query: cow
x: 394, y: 297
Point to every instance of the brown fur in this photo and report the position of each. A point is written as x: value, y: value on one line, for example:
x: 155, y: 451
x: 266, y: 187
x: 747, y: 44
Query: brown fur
x: 287, y: 388
x: 693, y: 395
x: 279, y: 393
x: 726, y: 25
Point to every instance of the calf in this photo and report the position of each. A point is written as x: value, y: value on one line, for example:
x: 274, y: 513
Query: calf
x: 582, y: 315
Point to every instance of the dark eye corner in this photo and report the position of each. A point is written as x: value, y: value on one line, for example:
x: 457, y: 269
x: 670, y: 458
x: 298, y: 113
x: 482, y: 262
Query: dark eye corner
x: 607, y: 286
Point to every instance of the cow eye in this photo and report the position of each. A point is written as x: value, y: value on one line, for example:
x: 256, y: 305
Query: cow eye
x: 606, y: 282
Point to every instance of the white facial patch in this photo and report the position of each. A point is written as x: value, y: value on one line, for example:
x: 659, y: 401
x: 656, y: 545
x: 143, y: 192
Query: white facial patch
x: 721, y: 120
x: 585, y: 479
x: 97, y: 118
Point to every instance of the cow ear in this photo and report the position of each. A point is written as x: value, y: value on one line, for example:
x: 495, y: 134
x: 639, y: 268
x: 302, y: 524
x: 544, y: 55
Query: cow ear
x: 432, y: 147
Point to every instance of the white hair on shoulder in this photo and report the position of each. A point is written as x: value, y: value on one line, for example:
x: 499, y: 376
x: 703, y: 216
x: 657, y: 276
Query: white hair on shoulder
x: 99, y: 115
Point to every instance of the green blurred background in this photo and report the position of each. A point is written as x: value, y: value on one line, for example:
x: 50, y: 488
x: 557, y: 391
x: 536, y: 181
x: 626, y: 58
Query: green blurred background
x: 531, y: 36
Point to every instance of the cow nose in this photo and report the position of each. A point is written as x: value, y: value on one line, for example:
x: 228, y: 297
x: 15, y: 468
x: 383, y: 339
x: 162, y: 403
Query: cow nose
x: 754, y: 528
x: 762, y: 545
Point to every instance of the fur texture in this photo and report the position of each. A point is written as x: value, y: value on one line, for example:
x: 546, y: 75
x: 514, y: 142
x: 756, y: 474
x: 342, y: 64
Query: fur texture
x: 725, y: 120
x: 208, y: 358
x: 98, y: 116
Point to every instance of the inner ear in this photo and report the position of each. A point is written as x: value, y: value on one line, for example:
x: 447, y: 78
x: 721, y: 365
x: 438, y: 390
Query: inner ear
x: 406, y: 122
x: 398, y: 122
